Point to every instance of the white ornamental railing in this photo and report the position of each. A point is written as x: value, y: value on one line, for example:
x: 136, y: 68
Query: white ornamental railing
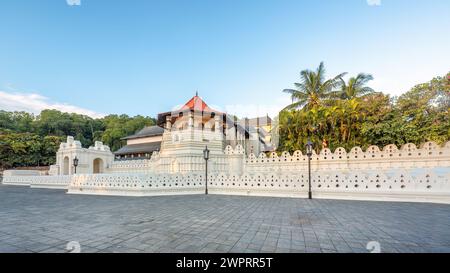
x: 139, y: 165
x: 420, y: 184
x: 44, y: 181
x: 405, y: 174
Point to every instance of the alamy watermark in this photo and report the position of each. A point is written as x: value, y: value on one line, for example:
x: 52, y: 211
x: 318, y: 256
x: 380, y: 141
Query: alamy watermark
x: 373, y: 247
x: 73, y: 247
x: 73, y: 2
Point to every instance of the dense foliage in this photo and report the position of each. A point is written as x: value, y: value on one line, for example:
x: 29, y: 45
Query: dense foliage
x: 334, y: 113
x: 28, y: 140
x: 331, y: 112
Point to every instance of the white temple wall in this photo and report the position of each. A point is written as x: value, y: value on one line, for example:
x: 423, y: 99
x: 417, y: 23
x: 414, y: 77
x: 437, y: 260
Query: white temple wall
x: 131, y: 166
x: 97, y: 158
x: 418, y: 185
x: 408, y: 157
x: 407, y: 174
x: 21, y: 173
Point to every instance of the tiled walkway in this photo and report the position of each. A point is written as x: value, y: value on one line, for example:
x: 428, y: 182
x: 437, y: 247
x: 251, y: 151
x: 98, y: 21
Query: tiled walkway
x: 41, y: 220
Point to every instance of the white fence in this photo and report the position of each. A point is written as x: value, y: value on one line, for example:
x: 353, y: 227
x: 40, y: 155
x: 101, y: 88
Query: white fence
x: 44, y: 181
x: 390, y: 157
x: 137, y: 184
x: 127, y: 166
x: 426, y: 185
x: 405, y: 174
x: 421, y: 185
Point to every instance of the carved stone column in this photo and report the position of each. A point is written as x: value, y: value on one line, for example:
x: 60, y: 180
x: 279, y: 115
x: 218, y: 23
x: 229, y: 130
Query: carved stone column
x: 168, y: 122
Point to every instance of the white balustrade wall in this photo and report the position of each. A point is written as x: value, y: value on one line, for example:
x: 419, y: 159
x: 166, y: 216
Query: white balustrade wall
x: 43, y: 181
x: 127, y: 166
x: 137, y: 184
x: 406, y: 174
x: 430, y: 155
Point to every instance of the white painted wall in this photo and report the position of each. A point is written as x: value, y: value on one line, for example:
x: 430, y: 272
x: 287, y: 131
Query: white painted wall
x: 21, y: 173
x: 407, y: 174
x: 144, y: 140
x: 71, y: 149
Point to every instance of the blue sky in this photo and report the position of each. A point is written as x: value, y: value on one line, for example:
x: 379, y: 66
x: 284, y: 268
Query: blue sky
x: 144, y: 57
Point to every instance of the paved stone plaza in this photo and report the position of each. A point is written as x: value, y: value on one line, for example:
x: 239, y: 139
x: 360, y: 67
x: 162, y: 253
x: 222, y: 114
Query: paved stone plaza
x: 42, y: 220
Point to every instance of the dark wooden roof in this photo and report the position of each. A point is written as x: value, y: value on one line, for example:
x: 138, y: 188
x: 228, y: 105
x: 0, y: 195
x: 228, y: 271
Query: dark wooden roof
x: 139, y: 148
x: 147, y: 132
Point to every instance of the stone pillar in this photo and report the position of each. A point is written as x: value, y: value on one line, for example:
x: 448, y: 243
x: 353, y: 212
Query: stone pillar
x: 258, y: 143
x: 191, y: 120
x: 217, y: 122
x: 168, y: 122
x: 217, y: 128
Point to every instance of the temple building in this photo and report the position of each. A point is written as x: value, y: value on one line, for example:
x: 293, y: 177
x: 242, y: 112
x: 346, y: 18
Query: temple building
x: 198, y: 118
x: 261, y: 126
x: 196, y: 144
x: 142, y: 144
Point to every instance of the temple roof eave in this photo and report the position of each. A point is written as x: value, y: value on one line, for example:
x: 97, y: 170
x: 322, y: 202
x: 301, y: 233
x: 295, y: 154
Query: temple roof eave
x: 139, y: 148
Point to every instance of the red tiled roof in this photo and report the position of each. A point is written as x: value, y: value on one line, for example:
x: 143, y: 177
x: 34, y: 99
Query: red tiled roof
x: 197, y: 104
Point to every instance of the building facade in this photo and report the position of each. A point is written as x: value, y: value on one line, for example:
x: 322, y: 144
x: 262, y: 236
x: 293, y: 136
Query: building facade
x: 407, y: 173
x: 95, y: 159
x: 196, y: 118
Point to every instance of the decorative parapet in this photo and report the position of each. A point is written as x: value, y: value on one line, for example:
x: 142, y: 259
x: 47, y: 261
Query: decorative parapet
x: 414, y: 185
x: 388, y: 152
x: 7, y: 173
x: 44, y: 181
x: 54, y: 170
x: 238, y: 150
x: 18, y: 180
x: 70, y: 143
x: 155, y: 156
x: 98, y: 146
x: 408, y: 156
x: 405, y: 174
x: 140, y: 165
x: 137, y: 184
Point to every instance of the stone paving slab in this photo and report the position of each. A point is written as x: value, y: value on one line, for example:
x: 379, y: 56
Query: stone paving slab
x: 43, y: 220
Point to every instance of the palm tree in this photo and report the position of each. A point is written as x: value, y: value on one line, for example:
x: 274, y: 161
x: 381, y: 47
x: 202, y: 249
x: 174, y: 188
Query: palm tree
x: 313, y: 88
x: 355, y: 87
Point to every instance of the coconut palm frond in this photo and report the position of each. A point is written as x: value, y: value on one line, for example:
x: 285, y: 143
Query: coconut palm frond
x: 313, y: 88
x: 295, y: 105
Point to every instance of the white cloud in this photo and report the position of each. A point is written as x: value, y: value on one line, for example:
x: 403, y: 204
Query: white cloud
x: 374, y: 2
x: 73, y: 2
x: 35, y: 103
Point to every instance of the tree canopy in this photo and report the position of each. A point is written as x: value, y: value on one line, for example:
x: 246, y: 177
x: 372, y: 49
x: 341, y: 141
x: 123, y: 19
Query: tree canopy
x: 313, y: 88
x: 29, y: 140
x: 359, y: 116
x: 331, y: 112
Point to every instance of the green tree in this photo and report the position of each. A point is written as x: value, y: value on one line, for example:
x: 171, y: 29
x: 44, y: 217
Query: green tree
x: 117, y: 127
x: 355, y: 87
x: 26, y: 140
x: 50, y: 145
x: 313, y: 88
x: 16, y: 121
x: 20, y: 149
x: 363, y: 118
